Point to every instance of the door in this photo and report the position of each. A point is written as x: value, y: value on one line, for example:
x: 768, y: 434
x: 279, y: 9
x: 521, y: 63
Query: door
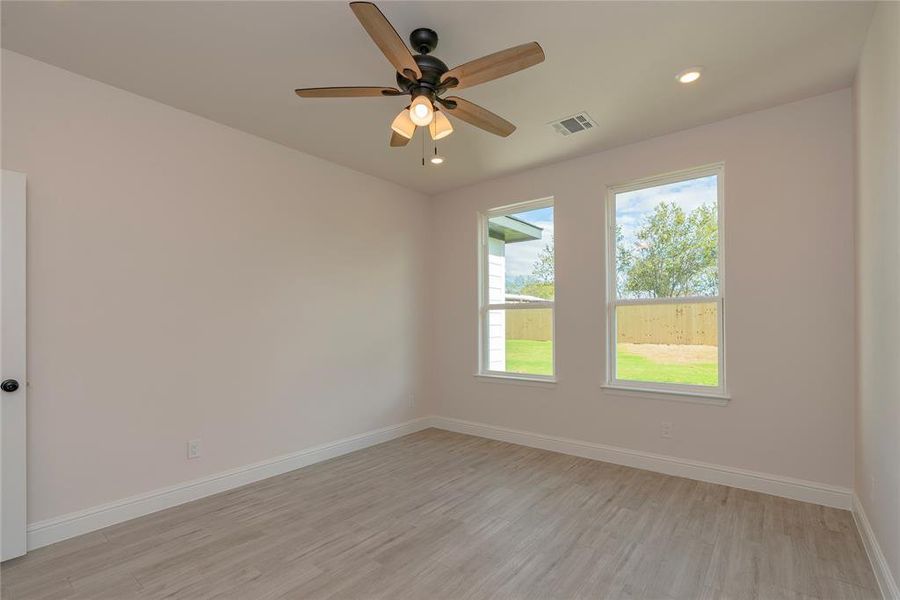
x: 12, y: 365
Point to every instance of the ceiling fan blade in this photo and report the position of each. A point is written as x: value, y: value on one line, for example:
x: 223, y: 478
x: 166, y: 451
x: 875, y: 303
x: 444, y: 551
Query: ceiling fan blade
x: 347, y: 92
x: 477, y: 116
x: 493, y: 66
x: 386, y: 38
x: 398, y: 140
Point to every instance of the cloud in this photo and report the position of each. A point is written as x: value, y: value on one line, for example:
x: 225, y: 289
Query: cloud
x: 633, y: 207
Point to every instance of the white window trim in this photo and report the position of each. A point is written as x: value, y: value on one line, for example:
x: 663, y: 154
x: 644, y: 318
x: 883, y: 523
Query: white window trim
x: 674, y: 390
x: 668, y: 395
x: 484, y: 306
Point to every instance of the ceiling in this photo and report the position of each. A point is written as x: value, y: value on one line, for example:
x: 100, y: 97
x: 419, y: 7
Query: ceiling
x: 238, y: 63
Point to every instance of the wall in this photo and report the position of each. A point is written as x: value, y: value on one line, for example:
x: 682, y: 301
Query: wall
x: 187, y: 280
x: 789, y: 268
x: 878, y: 273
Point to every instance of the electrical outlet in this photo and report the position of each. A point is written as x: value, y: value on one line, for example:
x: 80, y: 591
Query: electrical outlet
x: 193, y: 449
x: 665, y: 430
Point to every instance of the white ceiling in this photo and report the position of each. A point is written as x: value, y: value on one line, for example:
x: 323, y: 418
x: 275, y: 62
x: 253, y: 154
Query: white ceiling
x: 238, y: 63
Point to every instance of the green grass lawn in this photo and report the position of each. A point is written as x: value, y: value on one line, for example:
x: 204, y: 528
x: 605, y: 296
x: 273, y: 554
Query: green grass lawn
x: 529, y: 356
x: 536, y: 358
x: 638, y: 368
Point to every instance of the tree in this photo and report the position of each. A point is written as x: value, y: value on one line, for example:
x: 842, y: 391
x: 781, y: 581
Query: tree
x: 542, y: 271
x: 540, y: 281
x: 515, y: 284
x: 676, y: 254
x: 624, y: 260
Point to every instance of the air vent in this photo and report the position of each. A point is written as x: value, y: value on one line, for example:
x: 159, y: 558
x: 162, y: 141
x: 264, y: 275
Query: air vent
x: 569, y: 125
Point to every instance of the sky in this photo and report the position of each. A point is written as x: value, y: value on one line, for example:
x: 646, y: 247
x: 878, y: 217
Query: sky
x: 633, y: 207
x: 521, y: 256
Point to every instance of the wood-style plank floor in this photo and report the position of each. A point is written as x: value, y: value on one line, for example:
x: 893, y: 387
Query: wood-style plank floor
x: 443, y: 515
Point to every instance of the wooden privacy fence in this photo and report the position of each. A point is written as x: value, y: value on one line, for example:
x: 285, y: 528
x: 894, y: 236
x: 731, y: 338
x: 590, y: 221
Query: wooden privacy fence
x: 532, y: 324
x: 691, y: 324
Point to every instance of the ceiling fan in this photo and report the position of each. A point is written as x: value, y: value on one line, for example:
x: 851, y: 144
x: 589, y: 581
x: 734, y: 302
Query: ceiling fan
x: 426, y: 79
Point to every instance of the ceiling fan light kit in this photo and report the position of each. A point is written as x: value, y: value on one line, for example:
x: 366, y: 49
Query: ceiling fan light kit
x: 403, y: 124
x: 440, y: 126
x: 426, y: 79
x: 421, y: 111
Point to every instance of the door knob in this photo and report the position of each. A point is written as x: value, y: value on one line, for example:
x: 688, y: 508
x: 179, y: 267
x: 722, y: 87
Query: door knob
x: 9, y: 385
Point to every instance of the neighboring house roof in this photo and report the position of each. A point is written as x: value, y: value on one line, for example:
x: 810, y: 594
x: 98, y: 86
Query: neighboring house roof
x: 523, y: 298
x: 512, y: 230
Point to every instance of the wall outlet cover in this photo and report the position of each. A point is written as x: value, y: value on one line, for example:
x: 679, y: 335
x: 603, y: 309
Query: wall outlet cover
x: 193, y: 449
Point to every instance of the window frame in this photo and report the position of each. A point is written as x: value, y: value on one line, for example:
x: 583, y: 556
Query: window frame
x: 484, y: 305
x: 675, y: 389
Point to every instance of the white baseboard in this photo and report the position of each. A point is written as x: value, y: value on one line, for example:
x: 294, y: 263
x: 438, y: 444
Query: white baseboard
x: 66, y: 526
x: 776, y: 485
x: 886, y: 581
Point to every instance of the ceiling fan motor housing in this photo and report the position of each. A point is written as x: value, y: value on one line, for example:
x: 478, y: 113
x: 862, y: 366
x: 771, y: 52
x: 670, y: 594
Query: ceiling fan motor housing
x: 424, y: 41
x: 432, y: 69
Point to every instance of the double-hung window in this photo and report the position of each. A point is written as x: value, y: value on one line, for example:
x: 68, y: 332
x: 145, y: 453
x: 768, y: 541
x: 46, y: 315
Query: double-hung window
x: 665, y: 284
x: 517, y: 289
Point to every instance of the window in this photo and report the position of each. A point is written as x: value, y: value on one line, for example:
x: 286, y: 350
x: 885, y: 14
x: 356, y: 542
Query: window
x: 517, y: 291
x: 665, y: 284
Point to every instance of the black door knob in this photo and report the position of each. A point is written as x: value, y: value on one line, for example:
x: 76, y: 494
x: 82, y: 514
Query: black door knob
x: 9, y: 385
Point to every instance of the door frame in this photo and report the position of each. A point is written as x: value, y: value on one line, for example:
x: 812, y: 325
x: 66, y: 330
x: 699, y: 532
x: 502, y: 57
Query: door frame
x: 13, y: 539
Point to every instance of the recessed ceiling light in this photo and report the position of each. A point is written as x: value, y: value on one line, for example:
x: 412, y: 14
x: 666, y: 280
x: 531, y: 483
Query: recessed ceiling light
x: 689, y: 75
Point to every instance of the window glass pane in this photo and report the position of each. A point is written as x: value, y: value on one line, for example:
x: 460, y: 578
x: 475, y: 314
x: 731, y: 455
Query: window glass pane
x: 520, y: 257
x: 667, y: 240
x: 520, y: 341
x: 668, y: 343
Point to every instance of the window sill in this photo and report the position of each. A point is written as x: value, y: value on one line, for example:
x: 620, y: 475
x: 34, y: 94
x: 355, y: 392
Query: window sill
x: 675, y: 396
x: 544, y: 382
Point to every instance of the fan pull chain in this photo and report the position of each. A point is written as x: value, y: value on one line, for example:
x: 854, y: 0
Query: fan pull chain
x: 423, y: 145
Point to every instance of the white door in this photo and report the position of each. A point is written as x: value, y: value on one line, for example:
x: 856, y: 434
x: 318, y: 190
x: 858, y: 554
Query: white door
x: 12, y: 364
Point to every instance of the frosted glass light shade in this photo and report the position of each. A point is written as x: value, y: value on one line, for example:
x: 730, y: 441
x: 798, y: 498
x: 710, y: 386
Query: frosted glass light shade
x: 403, y: 125
x: 421, y: 111
x: 440, y: 126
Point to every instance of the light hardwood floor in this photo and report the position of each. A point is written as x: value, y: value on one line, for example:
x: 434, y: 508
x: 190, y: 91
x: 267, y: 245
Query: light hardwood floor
x: 443, y: 515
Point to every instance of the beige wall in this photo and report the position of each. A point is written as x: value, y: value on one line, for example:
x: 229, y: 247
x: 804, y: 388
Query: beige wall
x: 789, y: 268
x: 191, y: 281
x: 187, y: 280
x: 878, y: 273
